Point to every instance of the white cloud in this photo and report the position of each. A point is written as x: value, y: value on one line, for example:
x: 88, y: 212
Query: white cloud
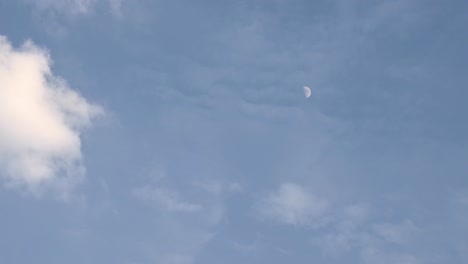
x: 293, y: 205
x: 343, y: 230
x: 41, y: 119
x: 166, y: 199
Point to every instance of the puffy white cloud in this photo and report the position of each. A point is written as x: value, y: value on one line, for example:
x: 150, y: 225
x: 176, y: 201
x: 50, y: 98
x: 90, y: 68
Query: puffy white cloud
x: 294, y: 205
x: 41, y: 119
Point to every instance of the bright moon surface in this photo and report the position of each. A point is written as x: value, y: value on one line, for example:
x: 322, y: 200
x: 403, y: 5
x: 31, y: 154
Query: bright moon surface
x: 307, y: 92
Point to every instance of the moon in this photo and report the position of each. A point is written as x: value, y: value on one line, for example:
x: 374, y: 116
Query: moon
x: 307, y: 92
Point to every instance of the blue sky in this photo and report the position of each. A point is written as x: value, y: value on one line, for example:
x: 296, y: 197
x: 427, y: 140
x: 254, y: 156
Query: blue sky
x: 177, y: 132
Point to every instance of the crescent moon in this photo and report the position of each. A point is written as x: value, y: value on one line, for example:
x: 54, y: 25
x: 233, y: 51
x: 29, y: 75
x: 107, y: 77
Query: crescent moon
x: 307, y: 92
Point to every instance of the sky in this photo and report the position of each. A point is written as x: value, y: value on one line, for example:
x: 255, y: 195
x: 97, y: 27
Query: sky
x: 177, y: 132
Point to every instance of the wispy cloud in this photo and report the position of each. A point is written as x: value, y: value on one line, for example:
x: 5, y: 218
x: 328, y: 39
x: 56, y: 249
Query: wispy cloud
x: 218, y: 187
x: 293, y: 205
x: 116, y: 7
x: 353, y: 230
x: 41, y: 120
x: 373, y: 255
x: 343, y: 230
x: 167, y: 199
x: 76, y: 7
x: 400, y: 234
x: 184, y: 237
x: 73, y: 7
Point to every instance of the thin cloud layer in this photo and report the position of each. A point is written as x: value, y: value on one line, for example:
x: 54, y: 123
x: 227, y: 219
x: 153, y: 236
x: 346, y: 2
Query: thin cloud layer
x: 76, y: 7
x: 400, y: 234
x: 67, y: 6
x: 165, y: 198
x: 185, y: 237
x: 41, y: 119
x: 343, y: 230
x: 293, y: 205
